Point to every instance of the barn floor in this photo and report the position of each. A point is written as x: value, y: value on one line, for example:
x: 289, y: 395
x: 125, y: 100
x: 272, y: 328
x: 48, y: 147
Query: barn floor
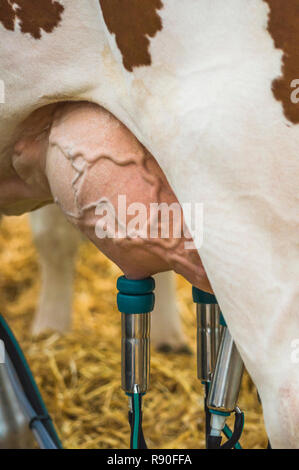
x: 79, y: 373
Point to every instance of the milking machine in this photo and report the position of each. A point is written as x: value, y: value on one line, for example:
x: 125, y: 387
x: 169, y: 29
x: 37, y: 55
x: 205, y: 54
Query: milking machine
x: 219, y: 365
x: 23, y: 414
x: 220, y: 369
x: 135, y: 301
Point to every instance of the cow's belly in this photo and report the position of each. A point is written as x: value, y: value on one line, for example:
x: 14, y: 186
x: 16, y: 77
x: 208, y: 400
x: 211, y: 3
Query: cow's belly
x: 108, y: 185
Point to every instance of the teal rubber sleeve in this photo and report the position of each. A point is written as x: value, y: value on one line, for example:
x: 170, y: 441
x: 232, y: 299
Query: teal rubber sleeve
x: 201, y: 297
x: 133, y: 304
x: 222, y: 320
x: 135, y: 296
x: 135, y: 287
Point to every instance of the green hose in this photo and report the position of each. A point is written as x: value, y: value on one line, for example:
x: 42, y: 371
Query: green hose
x: 136, y: 423
x: 228, y: 433
x: 27, y: 381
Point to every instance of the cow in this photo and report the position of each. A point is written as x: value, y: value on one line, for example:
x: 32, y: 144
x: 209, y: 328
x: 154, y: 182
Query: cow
x: 184, y: 101
x: 57, y: 243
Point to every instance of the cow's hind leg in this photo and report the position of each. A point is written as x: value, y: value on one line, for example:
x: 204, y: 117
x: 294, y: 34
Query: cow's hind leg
x: 57, y: 242
x: 167, y: 333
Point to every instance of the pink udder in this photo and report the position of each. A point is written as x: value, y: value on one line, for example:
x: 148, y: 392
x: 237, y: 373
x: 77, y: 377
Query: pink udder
x: 93, y: 166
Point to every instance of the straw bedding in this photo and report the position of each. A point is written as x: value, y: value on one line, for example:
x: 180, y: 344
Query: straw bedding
x: 79, y: 373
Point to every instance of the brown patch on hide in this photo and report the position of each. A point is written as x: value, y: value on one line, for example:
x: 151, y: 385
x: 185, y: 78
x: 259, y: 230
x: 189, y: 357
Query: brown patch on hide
x: 132, y: 21
x: 284, y: 28
x: 7, y: 15
x: 34, y: 15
